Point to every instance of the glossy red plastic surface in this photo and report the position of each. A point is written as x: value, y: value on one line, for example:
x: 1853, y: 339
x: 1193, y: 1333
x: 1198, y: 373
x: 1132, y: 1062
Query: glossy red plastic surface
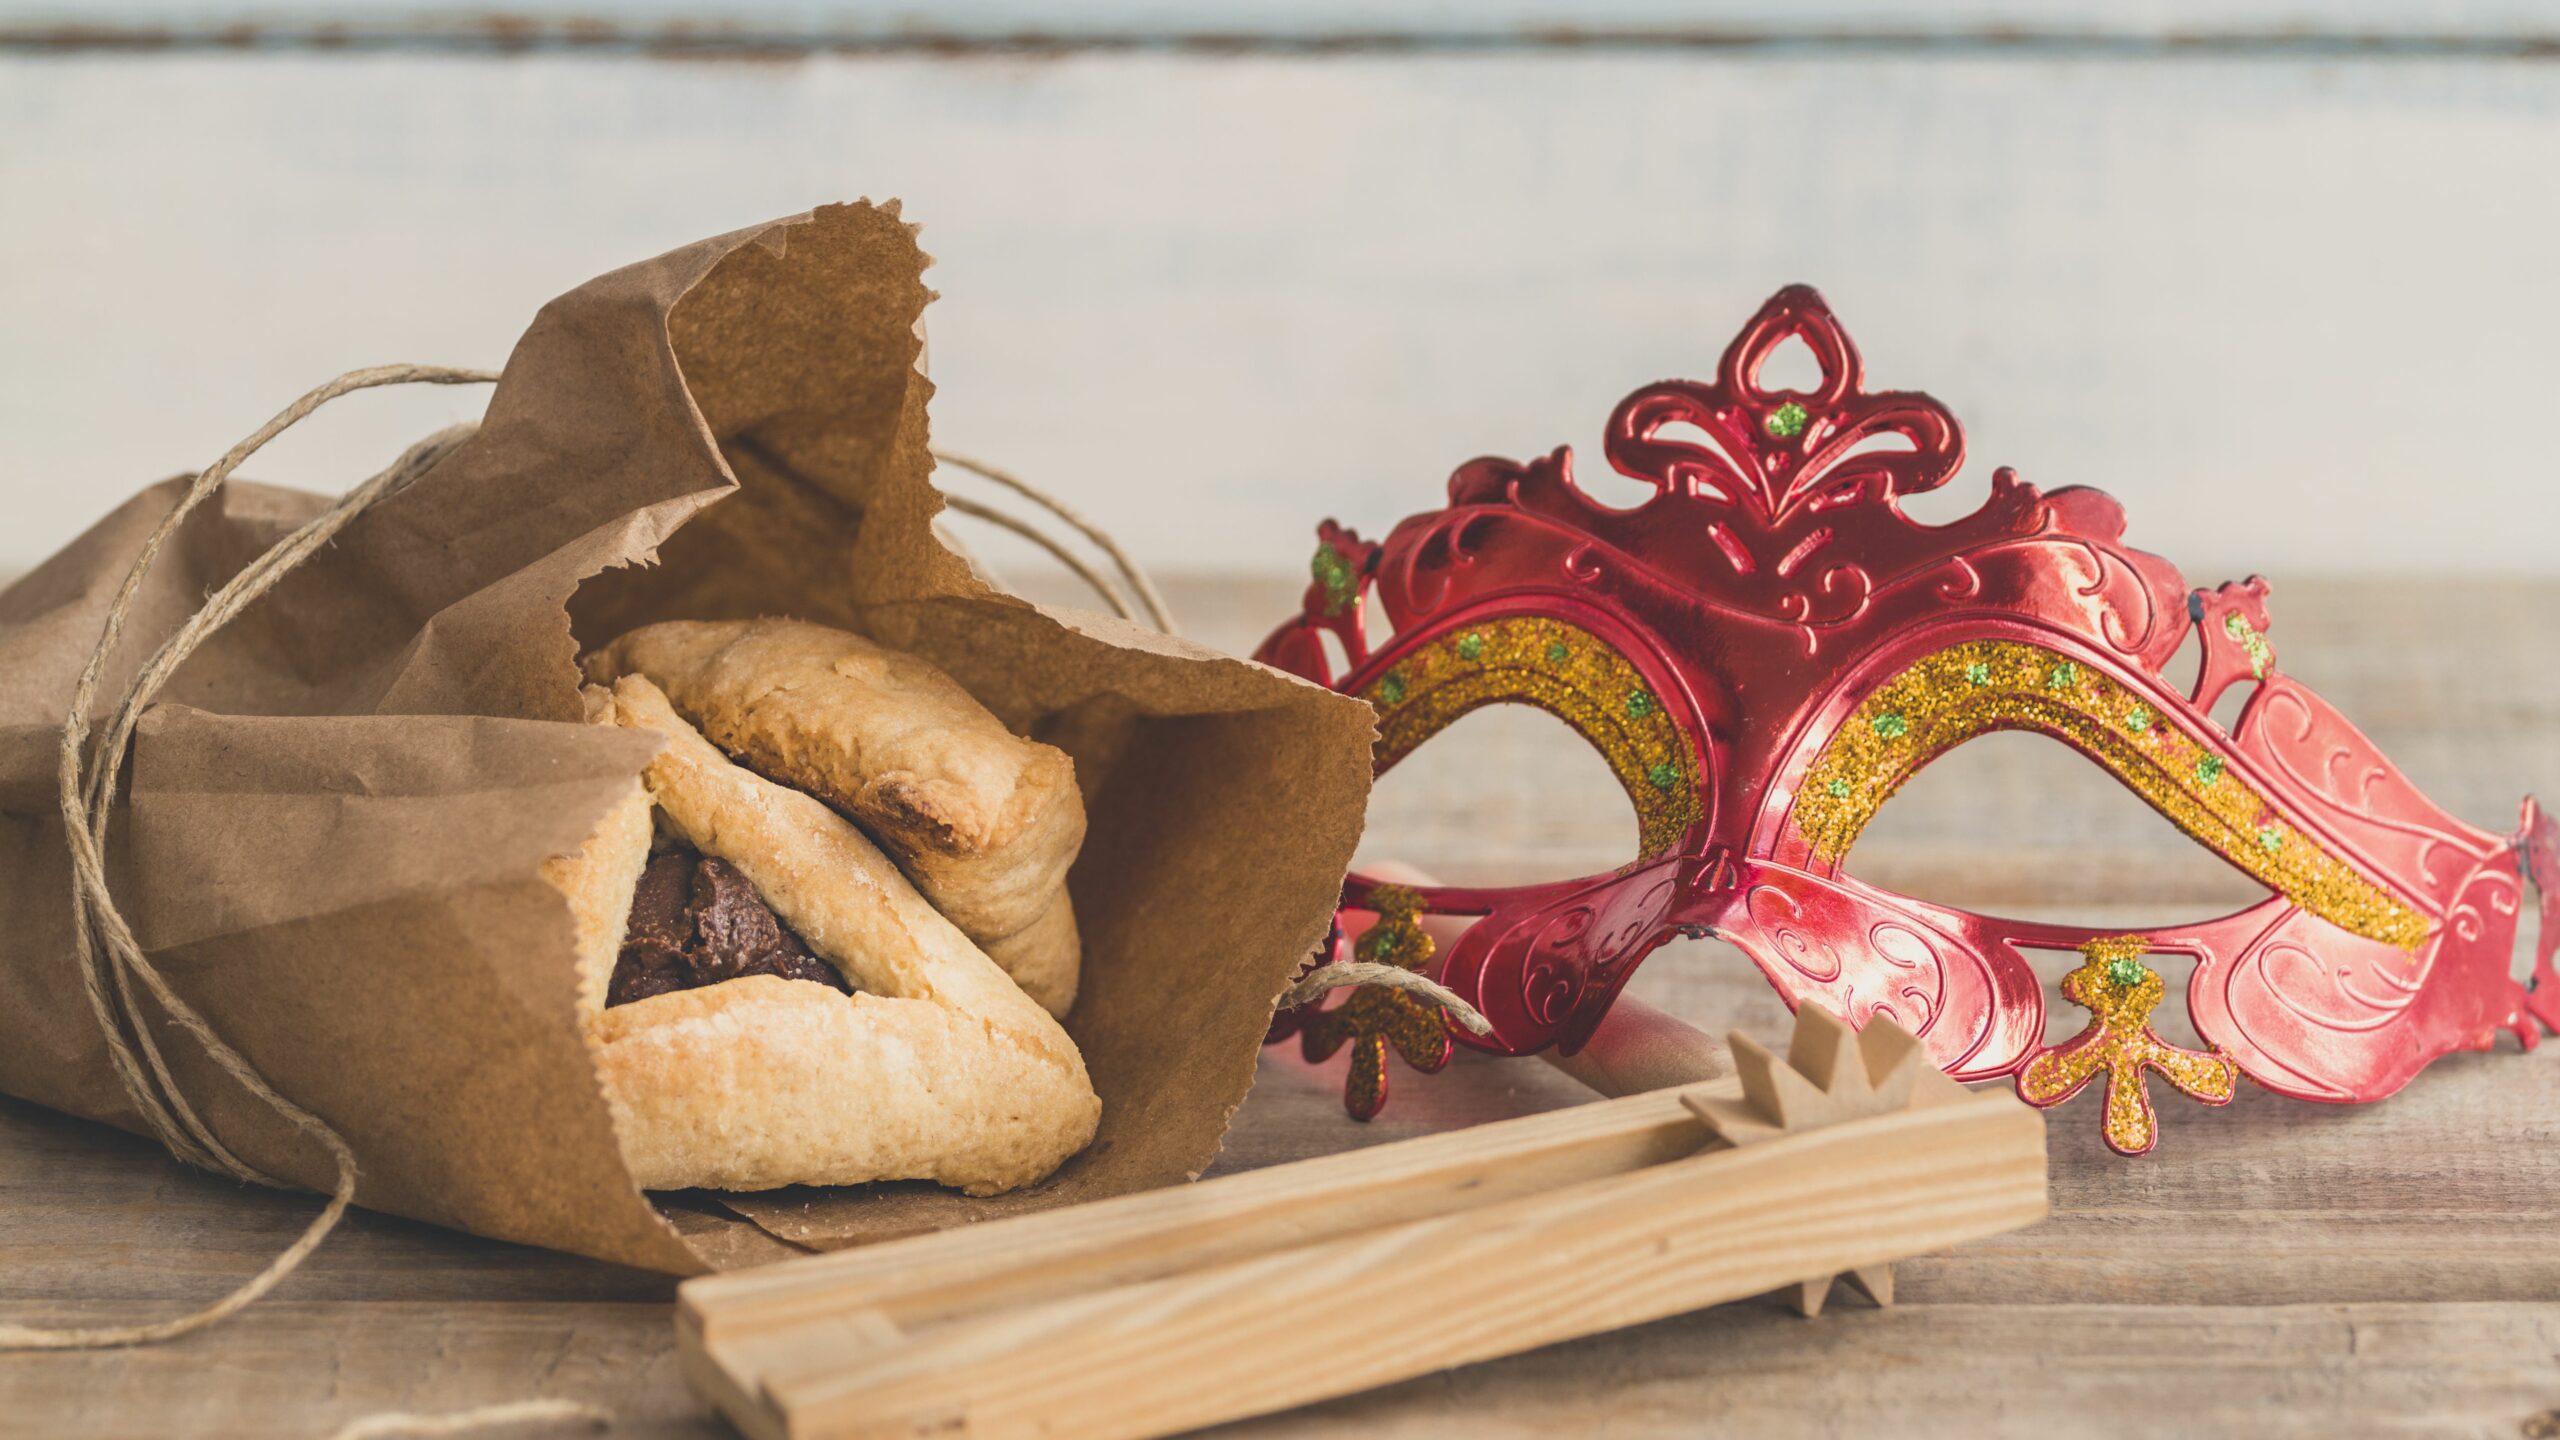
x: 1765, y: 587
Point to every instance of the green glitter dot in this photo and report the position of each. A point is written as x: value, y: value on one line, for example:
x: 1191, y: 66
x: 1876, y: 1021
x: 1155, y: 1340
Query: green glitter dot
x: 2126, y: 972
x: 1639, y: 704
x: 2137, y: 719
x: 2270, y: 839
x: 1333, y: 573
x: 1391, y: 689
x: 1470, y: 646
x: 1891, y: 725
x: 1786, y: 422
x: 2062, y: 676
x: 1663, y: 775
x: 1558, y: 652
x: 2261, y: 654
x: 1978, y: 673
x: 1839, y: 789
x: 2208, y: 769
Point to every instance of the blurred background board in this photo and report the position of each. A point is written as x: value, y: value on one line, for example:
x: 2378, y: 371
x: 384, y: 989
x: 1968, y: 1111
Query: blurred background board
x: 2278, y: 274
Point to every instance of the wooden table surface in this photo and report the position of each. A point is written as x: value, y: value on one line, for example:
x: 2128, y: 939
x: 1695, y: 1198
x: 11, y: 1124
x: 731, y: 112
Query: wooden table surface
x: 2275, y: 1268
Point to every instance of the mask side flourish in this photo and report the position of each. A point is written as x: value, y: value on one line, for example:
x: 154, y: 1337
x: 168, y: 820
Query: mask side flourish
x: 2366, y: 963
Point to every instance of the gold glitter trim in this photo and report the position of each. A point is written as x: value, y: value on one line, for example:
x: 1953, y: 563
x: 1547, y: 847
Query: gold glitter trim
x: 2120, y: 1044
x: 1983, y: 685
x: 1397, y: 938
x: 1571, y: 674
x: 1377, y: 1016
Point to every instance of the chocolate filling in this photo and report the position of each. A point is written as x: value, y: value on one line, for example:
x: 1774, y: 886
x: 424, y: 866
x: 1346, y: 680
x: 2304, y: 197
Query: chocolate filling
x: 697, y: 920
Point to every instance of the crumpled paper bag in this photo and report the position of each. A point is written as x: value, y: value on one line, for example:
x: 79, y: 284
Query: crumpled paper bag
x: 338, y: 810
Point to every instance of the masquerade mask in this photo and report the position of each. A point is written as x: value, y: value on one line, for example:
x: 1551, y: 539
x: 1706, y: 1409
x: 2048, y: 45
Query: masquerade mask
x: 1767, y: 648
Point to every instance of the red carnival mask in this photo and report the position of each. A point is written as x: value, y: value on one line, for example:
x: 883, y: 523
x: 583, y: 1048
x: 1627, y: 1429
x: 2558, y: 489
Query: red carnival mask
x: 1766, y: 648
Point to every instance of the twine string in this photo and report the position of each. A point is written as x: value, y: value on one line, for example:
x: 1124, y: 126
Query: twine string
x: 106, y: 768
x: 1093, y: 579
x: 111, y: 961
x: 1159, y: 614
x: 1343, y: 974
x: 115, y: 971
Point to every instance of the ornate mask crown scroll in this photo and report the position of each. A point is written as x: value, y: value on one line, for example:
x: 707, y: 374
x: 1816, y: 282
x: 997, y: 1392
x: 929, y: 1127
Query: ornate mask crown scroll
x: 1765, y: 647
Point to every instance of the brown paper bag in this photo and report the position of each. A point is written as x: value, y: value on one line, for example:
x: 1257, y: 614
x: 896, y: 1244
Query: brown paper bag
x: 337, y: 814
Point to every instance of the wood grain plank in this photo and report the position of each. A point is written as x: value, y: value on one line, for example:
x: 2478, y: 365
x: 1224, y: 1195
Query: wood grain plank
x: 300, y: 1369
x: 2313, y: 1371
x: 1919, y: 1369
x: 92, y: 1214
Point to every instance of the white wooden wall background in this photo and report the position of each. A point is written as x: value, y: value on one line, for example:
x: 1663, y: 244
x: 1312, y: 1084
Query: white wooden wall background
x: 2281, y: 276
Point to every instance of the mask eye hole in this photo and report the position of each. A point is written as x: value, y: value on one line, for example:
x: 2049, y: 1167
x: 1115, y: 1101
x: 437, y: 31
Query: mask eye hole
x: 1506, y: 795
x: 2017, y: 824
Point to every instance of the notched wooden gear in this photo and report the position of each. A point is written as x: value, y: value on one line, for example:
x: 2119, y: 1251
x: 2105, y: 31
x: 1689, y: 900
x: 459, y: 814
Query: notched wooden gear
x: 983, y: 821
x: 1830, y: 1075
x: 942, y: 1069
